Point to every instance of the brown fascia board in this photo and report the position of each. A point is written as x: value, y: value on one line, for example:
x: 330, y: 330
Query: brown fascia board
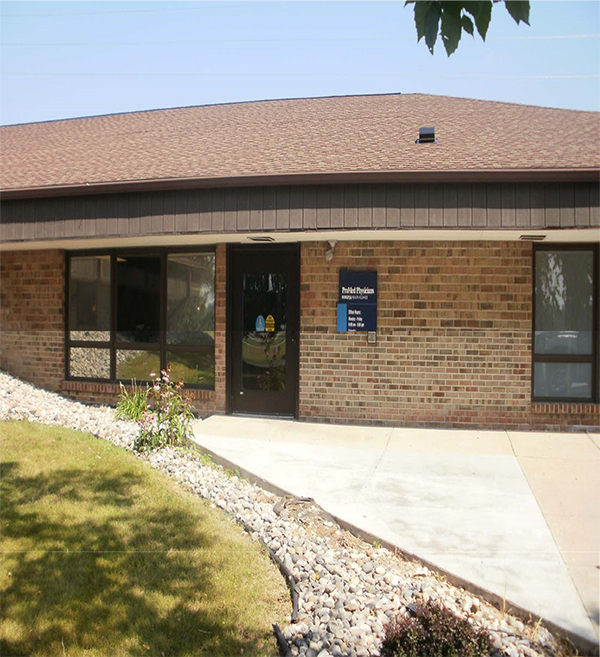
x: 354, y: 177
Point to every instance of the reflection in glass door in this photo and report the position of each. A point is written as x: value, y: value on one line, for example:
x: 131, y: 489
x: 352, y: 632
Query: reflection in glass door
x: 264, y: 321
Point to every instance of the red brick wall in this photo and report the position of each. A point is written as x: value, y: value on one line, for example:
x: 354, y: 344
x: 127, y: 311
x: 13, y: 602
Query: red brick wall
x: 453, y: 346
x: 453, y: 350
x: 32, y: 316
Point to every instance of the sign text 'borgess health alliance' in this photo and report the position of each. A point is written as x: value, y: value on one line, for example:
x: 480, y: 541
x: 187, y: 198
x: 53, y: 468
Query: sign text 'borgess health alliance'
x: 357, y: 306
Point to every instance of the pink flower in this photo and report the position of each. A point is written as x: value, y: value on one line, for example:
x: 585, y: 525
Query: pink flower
x: 152, y: 374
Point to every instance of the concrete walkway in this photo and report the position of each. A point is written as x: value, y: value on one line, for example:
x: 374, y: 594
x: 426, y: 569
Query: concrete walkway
x: 516, y: 513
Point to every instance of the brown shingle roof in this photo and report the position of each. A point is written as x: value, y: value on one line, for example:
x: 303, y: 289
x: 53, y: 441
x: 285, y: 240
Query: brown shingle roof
x: 337, y: 135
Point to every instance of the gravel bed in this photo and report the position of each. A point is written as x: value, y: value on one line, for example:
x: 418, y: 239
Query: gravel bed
x: 348, y: 589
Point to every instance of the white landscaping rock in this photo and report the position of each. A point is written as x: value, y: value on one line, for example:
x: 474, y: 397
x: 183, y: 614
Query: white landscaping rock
x: 347, y: 589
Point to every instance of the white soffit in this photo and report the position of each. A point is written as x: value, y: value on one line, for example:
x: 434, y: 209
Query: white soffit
x: 575, y: 235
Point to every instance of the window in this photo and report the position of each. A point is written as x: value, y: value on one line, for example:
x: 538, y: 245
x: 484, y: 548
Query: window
x: 132, y: 312
x: 565, y: 323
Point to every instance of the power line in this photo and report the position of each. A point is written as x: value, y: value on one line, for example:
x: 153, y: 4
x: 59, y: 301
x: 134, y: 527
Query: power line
x: 149, y: 10
x: 592, y: 76
x: 282, y: 40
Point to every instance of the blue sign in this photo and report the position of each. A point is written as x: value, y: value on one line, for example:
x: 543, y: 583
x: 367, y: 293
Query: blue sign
x: 260, y: 323
x: 357, y: 306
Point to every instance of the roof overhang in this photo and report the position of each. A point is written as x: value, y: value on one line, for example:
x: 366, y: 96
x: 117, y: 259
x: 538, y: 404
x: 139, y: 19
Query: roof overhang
x: 351, y: 177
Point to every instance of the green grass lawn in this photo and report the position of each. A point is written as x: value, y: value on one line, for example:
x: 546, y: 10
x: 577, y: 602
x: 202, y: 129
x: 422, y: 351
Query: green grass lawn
x: 102, y: 555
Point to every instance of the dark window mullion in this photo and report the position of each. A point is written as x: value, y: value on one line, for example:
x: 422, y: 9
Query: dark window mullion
x: 113, y: 316
x: 163, y: 310
x: 595, y: 351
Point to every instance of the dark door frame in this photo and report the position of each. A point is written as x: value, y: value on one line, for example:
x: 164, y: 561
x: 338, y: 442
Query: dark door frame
x: 258, y: 248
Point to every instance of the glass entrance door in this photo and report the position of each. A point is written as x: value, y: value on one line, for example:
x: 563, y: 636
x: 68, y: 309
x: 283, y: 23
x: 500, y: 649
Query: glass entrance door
x: 264, y: 330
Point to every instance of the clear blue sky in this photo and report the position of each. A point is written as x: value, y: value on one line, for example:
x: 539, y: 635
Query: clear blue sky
x: 67, y: 59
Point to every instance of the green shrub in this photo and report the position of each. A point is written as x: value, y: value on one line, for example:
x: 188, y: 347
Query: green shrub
x: 131, y: 405
x: 168, y: 418
x: 432, y: 630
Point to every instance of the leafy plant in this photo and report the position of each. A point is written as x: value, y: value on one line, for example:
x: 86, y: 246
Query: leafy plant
x: 454, y: 19
x: 131, y: 405
x: 432, y: 630
x: 168, y: 418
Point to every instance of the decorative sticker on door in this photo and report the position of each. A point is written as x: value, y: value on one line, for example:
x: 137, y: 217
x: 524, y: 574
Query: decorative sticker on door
x: 260, y: 323
x: 270, y: 323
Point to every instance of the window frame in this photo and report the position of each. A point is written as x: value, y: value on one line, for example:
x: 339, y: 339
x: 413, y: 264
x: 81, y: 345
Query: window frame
x: 113, y: 344
x: 566, y: 358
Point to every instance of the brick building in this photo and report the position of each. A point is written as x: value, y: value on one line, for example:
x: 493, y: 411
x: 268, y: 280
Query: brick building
x: 324, y: 259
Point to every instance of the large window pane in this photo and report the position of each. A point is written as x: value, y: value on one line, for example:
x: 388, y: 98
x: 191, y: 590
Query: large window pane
x: 562, y: 380
x: 564, y: 302
x: 89, y: 363
x: 137, y: 364
x: 264, y: 341
x: 193, y: 367
x: 138, y: 298
x: 89, y: 298
x: 191, y: 298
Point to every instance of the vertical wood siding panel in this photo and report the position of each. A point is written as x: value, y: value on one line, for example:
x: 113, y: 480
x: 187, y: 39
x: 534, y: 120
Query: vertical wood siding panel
x: 350, y: 206
x: 270, y: 201
x: 421, y: 205
x: 230, y: 212
x: 379, y: 206
x: 594, y: 205
x: 49, y: 219
x: 436, y: 205
x: 323, y: 206
x: 494, y: 206
x: 39, y: 230
x: 582, y: 205
x: 479, y: 196
x: 179, y: 213
x: 256, y: 209
x: 91, y: 212
x: 40, y: 212
x: 57, y: 212
x: 567, y: 205
x: 168, y: 212
x: 145, y: 214
x: 135, y: 212
x: 70, y: 215
x: 2, y: 221
x: 101, y: 215
x: 218, y: 205
x: 20, y: 216
x: 17, y: 219
x: 38, y: 226
x: 552, y: 206
x: 8, y: 222
x: 158, y: 211
x: 408, y: 205
x: 296, y: 202
x: 85, y: 210
x: 337, y: 206
x: 123, y: 207
x: 537, y: 201
x: 523, y: 206
x: 206, y: 211
x: 393, y: 206
x: 112, y: 221
x: 192, y: 208
x: 283, y: 208
x: 509, y: 206
x: 464, y: 200
x: 68, y: 227
x: 28, y: 218
x: 243, y: 211
x: 309, y: 216
x: 450, y: 205
x: 365, y: 206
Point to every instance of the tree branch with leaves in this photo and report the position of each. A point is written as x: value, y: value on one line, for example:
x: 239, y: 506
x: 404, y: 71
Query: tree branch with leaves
x: 458, y: 15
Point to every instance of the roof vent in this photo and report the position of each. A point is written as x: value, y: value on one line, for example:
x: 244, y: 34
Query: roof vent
x: 261, y: 238
x: 532, y: 238
x: 426, y: 136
